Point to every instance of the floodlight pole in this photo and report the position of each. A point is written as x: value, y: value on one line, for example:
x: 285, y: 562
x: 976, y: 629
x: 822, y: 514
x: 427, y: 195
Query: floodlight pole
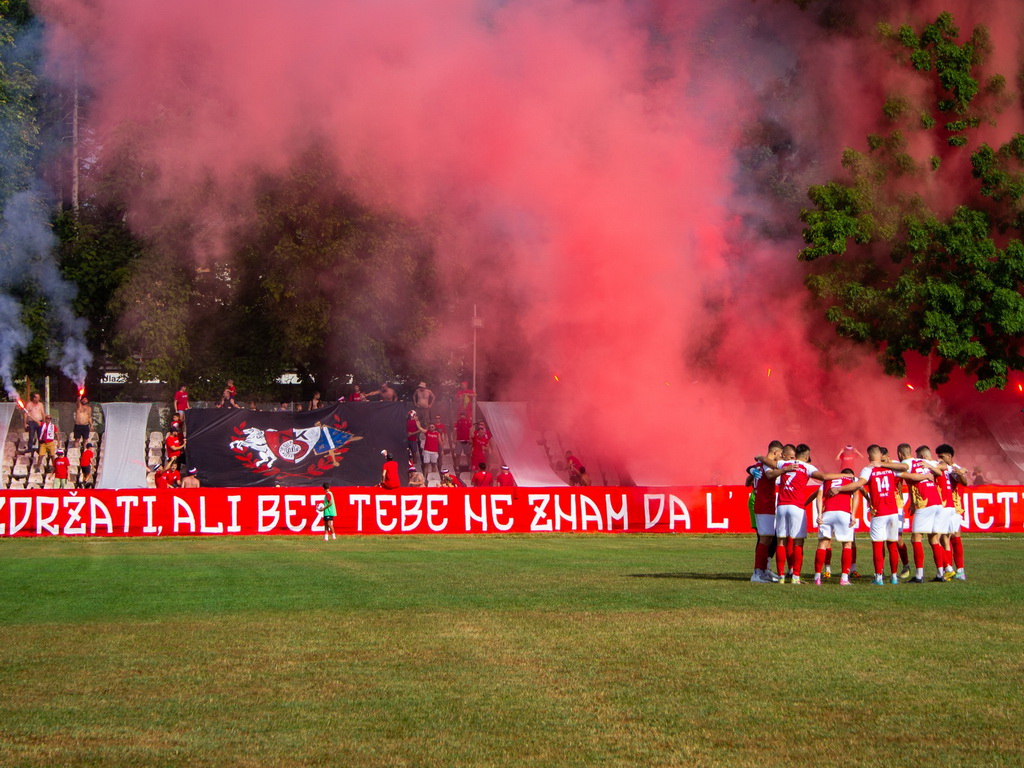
x: 478, y: 322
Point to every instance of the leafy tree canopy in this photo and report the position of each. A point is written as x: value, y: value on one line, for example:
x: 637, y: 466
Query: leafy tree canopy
x: 917, y: 252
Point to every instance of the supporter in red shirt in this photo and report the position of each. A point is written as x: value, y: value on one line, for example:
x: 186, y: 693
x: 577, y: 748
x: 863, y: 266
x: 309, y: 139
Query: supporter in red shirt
x: 482, y: 478
x: 181, y: 399
x: 172, y: 477
x: 60, y: 470
x: 231, y: 388
x: 389, y: 472
x: 504, y: 478
x: 85, y: 466
x: 574, y: 466
x: 431, y: 449
x: 160, y: 477
x: 174, y: 444
x: 413, y: 429
x: 481, y: 439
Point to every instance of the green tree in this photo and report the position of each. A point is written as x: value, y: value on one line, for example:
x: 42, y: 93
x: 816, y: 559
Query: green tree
x: 906, y: 270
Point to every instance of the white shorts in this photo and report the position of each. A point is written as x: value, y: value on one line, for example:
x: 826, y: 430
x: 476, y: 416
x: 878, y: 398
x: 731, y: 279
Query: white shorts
x: 790, y: 521
x: 956, y: 521
x: 885, y: 528
x: 430, y: 457
x: 926, y: 518
x: 836, y: 525
x: 765, y: 525
x: 944, y: 519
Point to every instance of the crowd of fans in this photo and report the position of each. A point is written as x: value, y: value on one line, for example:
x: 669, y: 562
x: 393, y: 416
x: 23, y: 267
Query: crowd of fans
x: 45, y: 457
x: 429, y: 439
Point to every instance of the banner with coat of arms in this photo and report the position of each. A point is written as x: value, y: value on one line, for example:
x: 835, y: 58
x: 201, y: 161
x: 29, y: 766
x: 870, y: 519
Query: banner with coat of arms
x: 339, y: 444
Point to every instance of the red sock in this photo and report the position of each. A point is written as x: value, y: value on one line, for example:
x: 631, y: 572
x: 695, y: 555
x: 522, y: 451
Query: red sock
x: 939, y: 554
x: 798, y: 558
x: 919, y: 554
x: 878, y: 553
x: 780, y: 558
x: 761, y: 557
x: 828, y: 555
x: 903, y: 553
x: 958, y: 551
x: 853, y: 549
x: 894, y: 557
x: 789, y: 550
x: 847, y: 559
x: 819, y: 560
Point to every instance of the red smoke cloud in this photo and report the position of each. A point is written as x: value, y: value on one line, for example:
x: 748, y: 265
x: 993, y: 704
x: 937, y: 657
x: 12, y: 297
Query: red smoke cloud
x: 578, y: 157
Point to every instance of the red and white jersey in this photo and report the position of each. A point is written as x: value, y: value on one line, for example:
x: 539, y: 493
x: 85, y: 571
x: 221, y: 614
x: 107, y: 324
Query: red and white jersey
x: 949, y: 489
x: 432, y: 441
x: 841, y: 502
x: 923, y: 493
x: 764, y: 492
x: 881, y: 484
x: 793, y: 485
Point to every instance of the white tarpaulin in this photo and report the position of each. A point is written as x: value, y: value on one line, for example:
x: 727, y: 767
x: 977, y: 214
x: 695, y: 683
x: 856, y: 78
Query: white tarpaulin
x: 1008, y: 431
x: 510, y: 428
x: 124, y: 445
x: 6, y: 414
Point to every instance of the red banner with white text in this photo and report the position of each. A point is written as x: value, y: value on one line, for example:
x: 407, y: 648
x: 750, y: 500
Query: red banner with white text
x: 292, y: 511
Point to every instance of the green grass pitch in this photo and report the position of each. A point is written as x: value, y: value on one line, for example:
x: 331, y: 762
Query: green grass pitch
x: 546, y: 650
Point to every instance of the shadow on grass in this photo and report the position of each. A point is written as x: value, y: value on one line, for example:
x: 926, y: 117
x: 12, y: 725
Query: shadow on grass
x: 699, y: 576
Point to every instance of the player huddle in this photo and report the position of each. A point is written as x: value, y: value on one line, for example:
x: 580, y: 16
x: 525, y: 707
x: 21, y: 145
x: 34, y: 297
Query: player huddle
x: 782, y: 491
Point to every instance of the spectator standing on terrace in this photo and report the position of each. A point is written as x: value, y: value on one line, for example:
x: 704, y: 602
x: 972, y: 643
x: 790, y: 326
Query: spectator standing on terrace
x: 584, y: 478
x: 385, y: 393
x: 481, y: 444
x: 227, y: 400
x: 504, y: 478
x: 423, y: 401
x: 413, y: 429
x: 431, y: 449
x: 47, y: 441
x: 181, y: 399
x: 174, y: 446
x: 191, y: 480
x: 847, y: 458
x: 357, y: 394
x: 230, y: 387
x: 61, y: 466
x: 34, y: 412
x: 389, y: 472
x: 574, y: 467
x: 463, y: 436
x: 316, y: 402
x: 177, y: 423
x: 979, y: 477
x: 465, y: 399
x: 85, y: 467
x: 83, y: 421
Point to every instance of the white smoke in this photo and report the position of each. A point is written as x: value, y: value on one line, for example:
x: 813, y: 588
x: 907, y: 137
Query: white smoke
x: 27, y: 246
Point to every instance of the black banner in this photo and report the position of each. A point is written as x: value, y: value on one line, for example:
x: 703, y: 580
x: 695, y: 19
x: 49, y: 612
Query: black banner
x: 339, y: 444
